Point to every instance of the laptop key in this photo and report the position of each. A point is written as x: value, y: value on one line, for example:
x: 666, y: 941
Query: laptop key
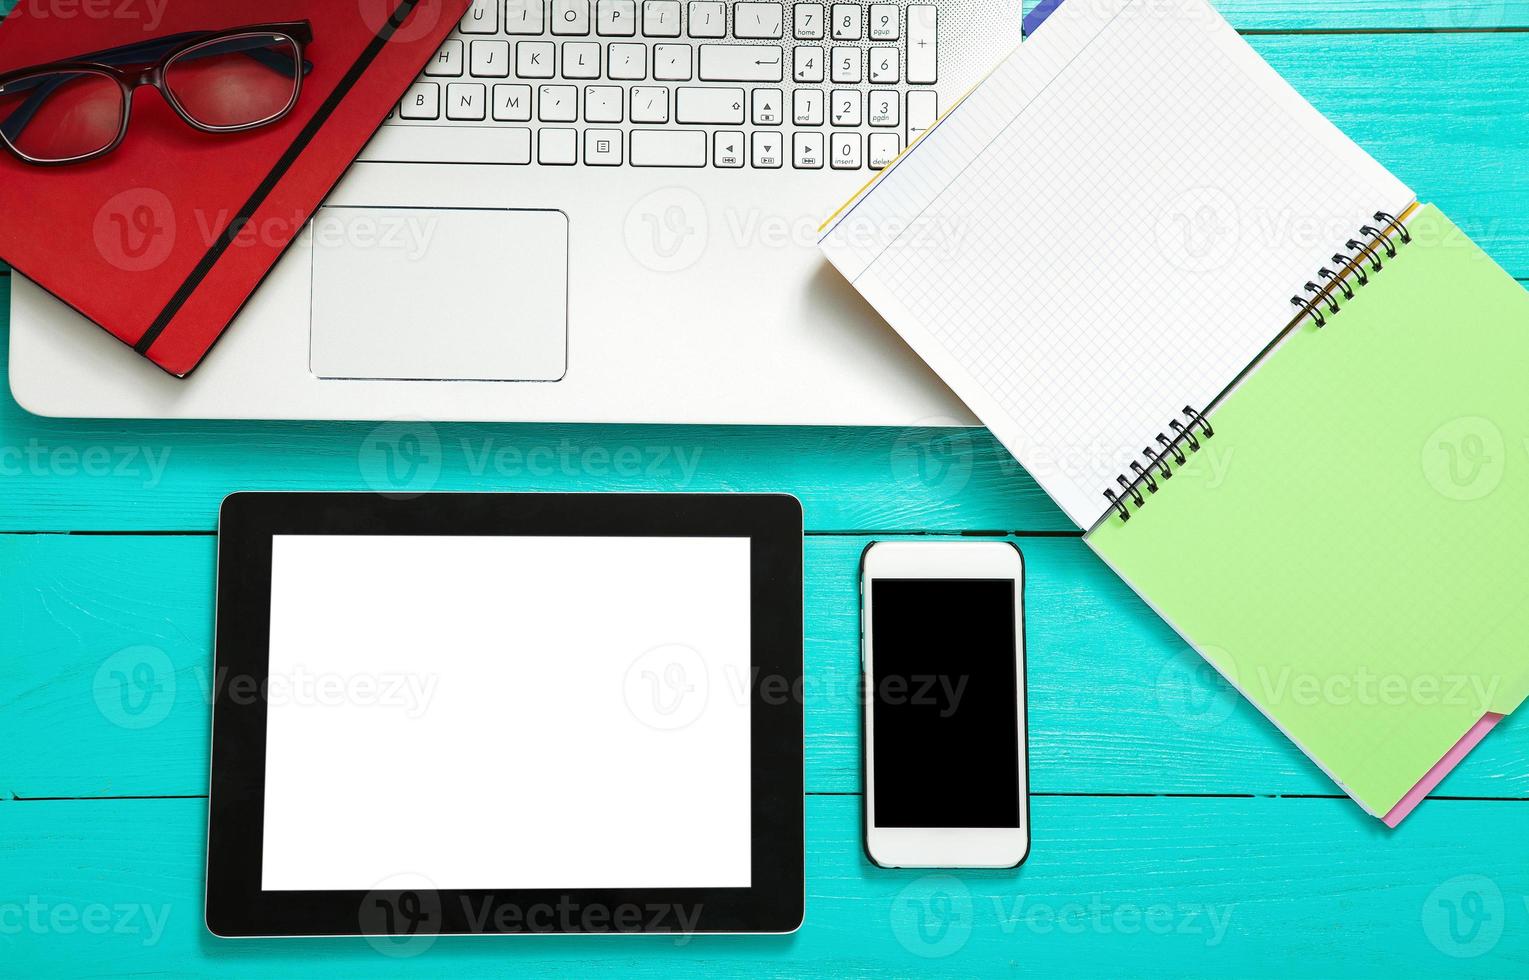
x: 668, y: 148
x: 422, y: 101
x: 570, y: 16
x: 671, y: 62
x: 557, y: 147
x: 881, y: 149
x: 602, y: 103
x: 921, y: 112
x: 922, y: 69
x: 845, y: 148
x: 807, y: 107
x: 464, y: 101
x: 602, y: 147
x: 450, y: 144
x: 628, y: 62
x: 768, y: 150
x: 581, y: 59
x: 512, y: 103
x: 807, y: 151
x: 534, y: 59
x: 661, y: 18
x: 699, y: 106
x: 616, y: 18
x: 490, y: 59
x: 757, y: 21
x: 481, y: 18
x: 740, y: 63
x: 650, y: 104
x: 728, y: 150
x: 447, y: 62
x: 523, y: 17
x: 708, y: 18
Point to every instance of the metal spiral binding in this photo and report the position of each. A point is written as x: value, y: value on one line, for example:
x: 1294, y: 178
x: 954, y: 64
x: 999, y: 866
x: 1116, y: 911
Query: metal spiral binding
x: 1175, y: 448
x: 1329, y: 283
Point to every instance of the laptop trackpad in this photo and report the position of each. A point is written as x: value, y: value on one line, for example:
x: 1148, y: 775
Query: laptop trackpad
x: 425, y: 294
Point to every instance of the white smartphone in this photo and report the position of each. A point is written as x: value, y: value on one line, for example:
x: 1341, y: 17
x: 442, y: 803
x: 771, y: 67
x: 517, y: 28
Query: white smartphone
x: 943, y: 657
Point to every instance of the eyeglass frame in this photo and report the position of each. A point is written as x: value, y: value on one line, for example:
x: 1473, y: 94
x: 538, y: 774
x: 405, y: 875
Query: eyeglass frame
x: 133, y: 76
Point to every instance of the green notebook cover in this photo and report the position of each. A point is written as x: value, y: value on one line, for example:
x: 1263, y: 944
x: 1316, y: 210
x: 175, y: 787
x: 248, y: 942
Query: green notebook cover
x: 1351, y: 545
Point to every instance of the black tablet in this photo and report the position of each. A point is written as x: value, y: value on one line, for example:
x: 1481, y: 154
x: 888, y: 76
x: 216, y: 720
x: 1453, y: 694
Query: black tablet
x: 506, y: 713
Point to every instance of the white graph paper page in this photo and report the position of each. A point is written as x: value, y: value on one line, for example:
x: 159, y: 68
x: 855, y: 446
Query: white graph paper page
x: 1108, y: 229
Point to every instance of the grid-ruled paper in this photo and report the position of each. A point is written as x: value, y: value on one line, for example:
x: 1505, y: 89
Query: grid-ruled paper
x: 1109, y: 229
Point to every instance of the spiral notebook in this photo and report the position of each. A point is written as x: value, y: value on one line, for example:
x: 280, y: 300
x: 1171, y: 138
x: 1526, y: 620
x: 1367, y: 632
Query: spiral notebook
x: 1278, y: 394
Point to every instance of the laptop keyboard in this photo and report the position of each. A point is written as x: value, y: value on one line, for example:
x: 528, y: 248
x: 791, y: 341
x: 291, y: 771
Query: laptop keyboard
x: 671, y: 83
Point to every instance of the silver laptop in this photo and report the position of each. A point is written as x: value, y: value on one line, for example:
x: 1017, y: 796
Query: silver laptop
x: 584, y: 210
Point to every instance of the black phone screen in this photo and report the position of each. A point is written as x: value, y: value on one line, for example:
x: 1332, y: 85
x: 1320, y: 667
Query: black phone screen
x: 944, y: 703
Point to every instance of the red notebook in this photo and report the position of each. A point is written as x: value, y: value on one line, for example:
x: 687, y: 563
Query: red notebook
x: 163, y: 240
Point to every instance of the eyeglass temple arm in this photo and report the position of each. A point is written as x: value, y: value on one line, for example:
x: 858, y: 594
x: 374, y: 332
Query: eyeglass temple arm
x: 125, y: 54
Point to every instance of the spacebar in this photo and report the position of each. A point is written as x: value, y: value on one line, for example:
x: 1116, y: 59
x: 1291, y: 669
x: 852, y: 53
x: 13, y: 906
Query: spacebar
x: 450, y: 144
x: 668, y: 148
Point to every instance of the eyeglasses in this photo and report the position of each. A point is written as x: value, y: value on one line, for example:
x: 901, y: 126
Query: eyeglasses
x: 217, y: 81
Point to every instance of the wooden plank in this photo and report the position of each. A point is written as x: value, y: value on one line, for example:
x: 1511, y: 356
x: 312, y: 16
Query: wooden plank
x: 1446, y: 112
x: 1370, y: 15
x: 109, y: 685
x: 1205, y: 887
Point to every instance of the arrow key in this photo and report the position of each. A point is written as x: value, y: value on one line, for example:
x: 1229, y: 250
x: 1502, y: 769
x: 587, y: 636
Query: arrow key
x: 728, y: 150
x: 767, y: 106
x: 768, y: 150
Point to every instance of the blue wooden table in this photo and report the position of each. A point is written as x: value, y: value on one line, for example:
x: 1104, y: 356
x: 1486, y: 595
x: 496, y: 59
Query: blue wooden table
x: 1175, y: 831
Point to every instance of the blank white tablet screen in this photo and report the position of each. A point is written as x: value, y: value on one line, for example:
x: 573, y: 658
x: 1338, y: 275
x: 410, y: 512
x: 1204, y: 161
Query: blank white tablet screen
x: 507, y: 712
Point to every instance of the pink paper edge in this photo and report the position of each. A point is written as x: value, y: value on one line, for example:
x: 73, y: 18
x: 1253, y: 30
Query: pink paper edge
x: 1441, y: 769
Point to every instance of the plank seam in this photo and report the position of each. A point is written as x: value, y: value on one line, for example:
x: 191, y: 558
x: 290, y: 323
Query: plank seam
x: 16, y: 798
x: 1384, y: 31
x: 168, y: 533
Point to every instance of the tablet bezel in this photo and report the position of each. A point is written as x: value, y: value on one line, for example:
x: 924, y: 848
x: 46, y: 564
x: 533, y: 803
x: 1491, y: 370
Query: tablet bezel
x: 774, y: 901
